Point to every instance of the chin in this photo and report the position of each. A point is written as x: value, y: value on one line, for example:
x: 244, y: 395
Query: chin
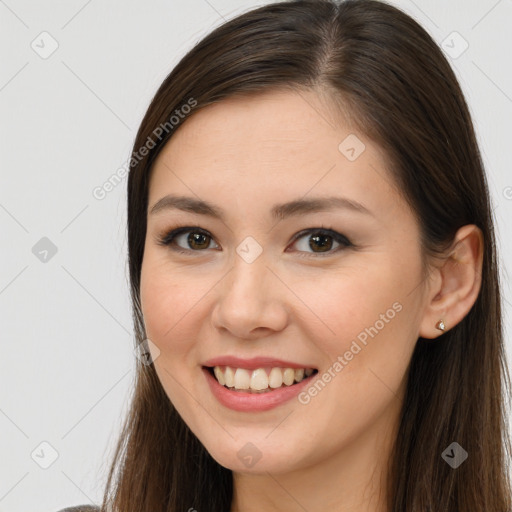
x: 255, y: 454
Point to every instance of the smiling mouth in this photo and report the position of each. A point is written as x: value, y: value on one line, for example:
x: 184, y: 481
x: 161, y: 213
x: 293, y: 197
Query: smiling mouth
x: 259, y: 380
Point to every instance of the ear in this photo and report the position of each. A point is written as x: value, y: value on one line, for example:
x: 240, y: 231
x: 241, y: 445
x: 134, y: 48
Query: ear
x: 455, y: 284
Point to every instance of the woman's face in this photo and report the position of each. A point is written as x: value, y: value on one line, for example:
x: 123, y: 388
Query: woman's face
x: 337, y: 289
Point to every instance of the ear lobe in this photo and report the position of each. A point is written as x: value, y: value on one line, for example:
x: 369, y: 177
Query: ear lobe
x: 459, y: 280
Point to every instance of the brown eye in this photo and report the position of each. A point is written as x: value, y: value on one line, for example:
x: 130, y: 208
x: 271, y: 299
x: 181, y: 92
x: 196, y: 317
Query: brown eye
x: 321, y: 241
x: 317, y: 241
x: 187, y: 239
x: 198, y: 240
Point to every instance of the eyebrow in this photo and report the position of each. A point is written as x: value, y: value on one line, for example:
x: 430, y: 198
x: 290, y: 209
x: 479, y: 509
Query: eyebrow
x: 278, y: 211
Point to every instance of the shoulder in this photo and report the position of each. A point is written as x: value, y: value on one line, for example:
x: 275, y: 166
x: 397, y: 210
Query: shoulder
x: 81, y: 508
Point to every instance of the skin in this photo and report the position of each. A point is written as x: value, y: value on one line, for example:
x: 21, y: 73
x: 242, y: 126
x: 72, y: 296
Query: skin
x: 245, y: 155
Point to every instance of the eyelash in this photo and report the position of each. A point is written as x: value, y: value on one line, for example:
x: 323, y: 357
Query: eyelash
x: 167, y: 239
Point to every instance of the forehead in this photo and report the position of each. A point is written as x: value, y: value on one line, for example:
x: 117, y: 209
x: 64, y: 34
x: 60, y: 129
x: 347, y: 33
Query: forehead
x: 282, y: 145
x: 279, y: 124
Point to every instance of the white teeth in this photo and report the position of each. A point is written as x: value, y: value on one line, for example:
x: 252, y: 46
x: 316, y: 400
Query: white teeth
x: 259, y: 379
x: 242, y: 379
x: 275, y: 379
x: 219, y: 375
x: 229, y: 376
x: 288, y: 376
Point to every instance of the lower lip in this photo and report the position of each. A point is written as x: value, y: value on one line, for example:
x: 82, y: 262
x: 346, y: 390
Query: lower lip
x: 251, y: 402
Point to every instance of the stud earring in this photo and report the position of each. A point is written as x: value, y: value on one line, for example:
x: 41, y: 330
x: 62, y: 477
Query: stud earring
x: 440, y: 325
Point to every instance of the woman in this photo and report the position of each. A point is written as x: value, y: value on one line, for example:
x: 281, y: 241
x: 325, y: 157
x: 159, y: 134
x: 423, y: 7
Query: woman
x: 314, y: 277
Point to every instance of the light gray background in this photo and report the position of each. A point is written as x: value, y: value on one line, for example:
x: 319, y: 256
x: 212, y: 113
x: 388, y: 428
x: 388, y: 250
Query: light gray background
x: 67, y: 124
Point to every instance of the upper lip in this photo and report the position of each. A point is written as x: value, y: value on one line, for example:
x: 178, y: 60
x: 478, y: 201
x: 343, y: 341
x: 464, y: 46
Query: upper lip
x: 253, y: 363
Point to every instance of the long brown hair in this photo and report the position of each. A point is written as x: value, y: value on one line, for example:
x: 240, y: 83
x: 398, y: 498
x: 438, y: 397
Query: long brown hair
x: 403, y: 94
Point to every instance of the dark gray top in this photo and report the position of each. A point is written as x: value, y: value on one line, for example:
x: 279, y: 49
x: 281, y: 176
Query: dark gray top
x: 81, y: 508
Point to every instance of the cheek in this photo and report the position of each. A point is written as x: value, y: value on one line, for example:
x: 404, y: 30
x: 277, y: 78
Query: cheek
x: 363, y: 315
x: 167, y: 302
x: 367, y: 356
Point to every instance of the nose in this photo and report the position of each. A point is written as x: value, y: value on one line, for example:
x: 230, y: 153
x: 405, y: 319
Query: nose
x: 250, y: 301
